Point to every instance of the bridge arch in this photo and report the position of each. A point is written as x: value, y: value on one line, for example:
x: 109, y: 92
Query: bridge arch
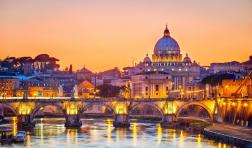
x: 9, y: 107
x: 184, y: 106
x: 39, y: 106
x: 146, y: 104
x: 90, y: 104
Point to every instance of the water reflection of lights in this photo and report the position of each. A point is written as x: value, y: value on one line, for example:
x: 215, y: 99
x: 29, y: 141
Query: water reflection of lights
x: 181, y: 139
x: 221, y: 145
x: 72, y: 136
x: 28, y: 139
x: 199, y: 141
x: 159, y: 133
x: 41, y: 131
x: 109, y: 129
x: 134, y: 132
x: 14, y: 125
x: 121, y: 133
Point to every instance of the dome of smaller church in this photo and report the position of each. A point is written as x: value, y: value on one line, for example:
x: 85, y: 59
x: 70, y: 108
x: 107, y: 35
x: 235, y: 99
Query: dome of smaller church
x: 187, y: 59
x: 147, y: 59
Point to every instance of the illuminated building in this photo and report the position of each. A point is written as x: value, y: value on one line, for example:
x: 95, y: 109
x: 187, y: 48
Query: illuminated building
x: 8, y: 86
x: 86, y: 89
x: 229, y: 87
x: 168, y: 60
x: 151, y: 85
x: 37, y: 87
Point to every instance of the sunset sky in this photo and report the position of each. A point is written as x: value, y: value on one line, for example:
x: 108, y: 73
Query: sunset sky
x: 102, y: 34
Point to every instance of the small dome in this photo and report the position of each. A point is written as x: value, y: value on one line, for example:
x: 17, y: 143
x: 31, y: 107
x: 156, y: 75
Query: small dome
x: 187, y: 59
x: 166, y: 43
x: 147, y: 59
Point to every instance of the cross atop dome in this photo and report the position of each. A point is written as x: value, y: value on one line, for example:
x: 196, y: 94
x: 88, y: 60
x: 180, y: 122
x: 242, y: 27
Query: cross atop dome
x: 166, y: 31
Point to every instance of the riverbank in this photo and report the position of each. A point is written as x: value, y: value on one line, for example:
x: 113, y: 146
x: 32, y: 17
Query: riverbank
x: 231, y: 134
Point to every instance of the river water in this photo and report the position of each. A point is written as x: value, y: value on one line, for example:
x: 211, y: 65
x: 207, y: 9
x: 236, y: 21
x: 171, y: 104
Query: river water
x: 50, y: 132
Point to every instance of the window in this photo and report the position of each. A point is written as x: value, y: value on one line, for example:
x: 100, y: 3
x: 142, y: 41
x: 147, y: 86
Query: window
x: 157, y: 87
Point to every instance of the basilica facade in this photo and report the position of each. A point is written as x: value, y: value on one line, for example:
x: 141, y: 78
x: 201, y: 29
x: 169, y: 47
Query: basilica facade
x: 166, y: 73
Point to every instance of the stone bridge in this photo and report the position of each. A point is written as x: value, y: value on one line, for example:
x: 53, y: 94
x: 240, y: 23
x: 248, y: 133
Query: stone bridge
x: 170, y: 109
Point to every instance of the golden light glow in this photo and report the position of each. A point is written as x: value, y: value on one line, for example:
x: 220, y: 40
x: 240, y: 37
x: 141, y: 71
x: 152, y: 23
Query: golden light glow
x: 24, y: 109
x: 199, y: 141
x: 245, y: 104
x: 181, y: 138
x: 159, y: 133
x: 109, y: 124
x: 71, y: 108
x: 14, y: 119
x: 72, y: 136
x: 134, y: 132
x: 121, y: 108
x: 170, y: 108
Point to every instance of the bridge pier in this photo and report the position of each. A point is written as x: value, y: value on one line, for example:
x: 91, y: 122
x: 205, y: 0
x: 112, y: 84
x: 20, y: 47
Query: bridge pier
x: 121, y: 121
x: 168, y: 121
x: 73, y: 121
x: 25, y: 122
x: 72, y: 116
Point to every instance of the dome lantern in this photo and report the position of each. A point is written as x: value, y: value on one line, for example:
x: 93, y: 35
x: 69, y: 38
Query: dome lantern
x: 166, y: 31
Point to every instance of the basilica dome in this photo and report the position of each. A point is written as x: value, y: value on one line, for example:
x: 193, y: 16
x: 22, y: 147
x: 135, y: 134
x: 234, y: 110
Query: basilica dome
x: 166, y: 43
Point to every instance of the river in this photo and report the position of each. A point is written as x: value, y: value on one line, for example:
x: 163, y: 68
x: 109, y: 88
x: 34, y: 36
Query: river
x: 50, y: 132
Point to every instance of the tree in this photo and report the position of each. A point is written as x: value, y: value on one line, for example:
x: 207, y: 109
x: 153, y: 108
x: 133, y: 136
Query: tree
x: 107, y: 90
x: 71, y: 69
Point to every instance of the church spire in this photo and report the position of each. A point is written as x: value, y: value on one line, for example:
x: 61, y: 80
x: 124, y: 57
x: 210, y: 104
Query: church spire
x: 166, y: 31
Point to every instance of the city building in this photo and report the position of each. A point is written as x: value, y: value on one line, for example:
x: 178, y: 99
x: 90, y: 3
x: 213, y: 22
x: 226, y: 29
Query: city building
x: 84, y: 74
x: 229, y: 87
x: 248, y: 64
x: 233, y: 66
x: 151, y: 85
x: 38, y: 87
x: 86, y: 89
x: 106, y: 77
x: 8, y: 85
